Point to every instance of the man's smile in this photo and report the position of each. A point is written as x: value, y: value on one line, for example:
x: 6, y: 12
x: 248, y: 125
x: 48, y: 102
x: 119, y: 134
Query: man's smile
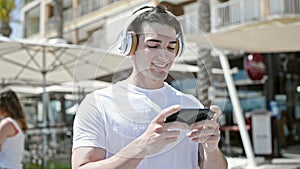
x: 160, y: 65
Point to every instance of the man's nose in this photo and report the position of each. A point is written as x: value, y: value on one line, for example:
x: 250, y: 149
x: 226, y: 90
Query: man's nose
x: 163, y: 55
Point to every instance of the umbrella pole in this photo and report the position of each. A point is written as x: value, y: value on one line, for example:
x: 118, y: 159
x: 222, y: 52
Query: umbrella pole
x: 44, y: 127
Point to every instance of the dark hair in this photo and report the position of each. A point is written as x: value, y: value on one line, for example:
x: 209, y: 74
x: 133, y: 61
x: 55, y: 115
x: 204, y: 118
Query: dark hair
x: 10, y: 103
x: 157, y: 14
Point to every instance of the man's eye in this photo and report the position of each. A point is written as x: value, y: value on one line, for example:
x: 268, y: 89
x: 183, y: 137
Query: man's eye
x: 170, y: 48
x: 150, y: 46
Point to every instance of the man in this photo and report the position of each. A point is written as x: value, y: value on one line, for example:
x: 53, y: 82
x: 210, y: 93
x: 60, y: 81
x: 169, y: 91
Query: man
x: 123, y: 126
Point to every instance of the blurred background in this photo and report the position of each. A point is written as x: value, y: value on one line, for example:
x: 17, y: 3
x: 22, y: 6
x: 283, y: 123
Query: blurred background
x: 70, y: 51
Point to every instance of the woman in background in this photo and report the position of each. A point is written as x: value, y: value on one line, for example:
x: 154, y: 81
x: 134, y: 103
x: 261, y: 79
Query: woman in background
x: 12, y: 131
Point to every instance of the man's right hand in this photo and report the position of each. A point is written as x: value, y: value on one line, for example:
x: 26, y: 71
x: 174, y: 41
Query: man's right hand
x: 159, y: 134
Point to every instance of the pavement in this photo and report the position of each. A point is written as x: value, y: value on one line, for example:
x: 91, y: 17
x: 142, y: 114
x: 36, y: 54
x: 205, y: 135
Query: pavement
x: 290, y: 160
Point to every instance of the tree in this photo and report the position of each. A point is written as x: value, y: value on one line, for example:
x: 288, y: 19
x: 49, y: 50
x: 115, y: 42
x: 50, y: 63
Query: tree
x: 205, y: 60
x: 6, y: 7
x: 58, y: 15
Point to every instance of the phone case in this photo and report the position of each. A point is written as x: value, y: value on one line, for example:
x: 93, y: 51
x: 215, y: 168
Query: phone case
x: 190, y: 116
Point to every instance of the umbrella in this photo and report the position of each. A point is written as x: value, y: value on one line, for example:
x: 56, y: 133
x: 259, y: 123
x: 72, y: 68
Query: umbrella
x: 39, y: 62
x: 28, y: 61
x: 42, y: 63
x: 66, y: 87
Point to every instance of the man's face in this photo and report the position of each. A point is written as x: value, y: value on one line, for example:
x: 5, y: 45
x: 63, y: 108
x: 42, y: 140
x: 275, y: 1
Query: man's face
x: 155, y: 52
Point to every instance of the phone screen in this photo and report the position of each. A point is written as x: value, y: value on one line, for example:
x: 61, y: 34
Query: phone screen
x: 190, y: 116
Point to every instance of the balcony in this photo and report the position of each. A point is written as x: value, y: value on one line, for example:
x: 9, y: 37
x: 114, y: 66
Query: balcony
x: 88, y: 6
x: 241, y: 12
x: 88, y: 16
x: 266, y: 26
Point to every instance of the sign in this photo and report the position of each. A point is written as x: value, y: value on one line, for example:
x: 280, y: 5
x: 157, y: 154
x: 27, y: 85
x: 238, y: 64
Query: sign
x: 255, y: 66
x: 262, y: 134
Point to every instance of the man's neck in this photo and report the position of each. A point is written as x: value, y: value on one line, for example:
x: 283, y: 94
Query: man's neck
x: 145, y: 83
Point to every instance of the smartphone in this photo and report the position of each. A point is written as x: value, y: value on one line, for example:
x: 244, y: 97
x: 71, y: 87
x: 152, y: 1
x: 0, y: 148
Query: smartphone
x: 190, y: 115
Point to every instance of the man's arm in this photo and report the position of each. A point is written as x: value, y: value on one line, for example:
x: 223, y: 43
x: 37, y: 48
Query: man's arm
x: 214, y: 159
x: 152, y: 141
x: 93, y: 158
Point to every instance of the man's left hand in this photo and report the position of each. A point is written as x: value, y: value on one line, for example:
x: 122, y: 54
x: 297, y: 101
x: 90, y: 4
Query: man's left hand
x: 207, y: 132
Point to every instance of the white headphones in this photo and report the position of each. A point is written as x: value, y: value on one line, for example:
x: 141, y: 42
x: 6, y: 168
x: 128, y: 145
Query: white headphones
x: 128, y: 40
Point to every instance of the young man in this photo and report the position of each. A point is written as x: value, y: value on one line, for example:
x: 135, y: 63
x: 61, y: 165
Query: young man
x: 123, y: 126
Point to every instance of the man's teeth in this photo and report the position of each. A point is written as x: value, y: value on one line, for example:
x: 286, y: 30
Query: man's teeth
x: 160, y: 65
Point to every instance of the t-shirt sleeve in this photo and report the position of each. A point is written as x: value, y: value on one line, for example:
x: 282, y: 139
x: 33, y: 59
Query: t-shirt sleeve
x: 88, y: 127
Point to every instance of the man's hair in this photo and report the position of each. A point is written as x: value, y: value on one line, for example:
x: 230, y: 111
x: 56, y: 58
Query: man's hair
x: 157, y: 14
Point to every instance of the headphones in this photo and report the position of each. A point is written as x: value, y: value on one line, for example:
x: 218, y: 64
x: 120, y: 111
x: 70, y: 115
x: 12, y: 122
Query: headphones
x: 128, y: 40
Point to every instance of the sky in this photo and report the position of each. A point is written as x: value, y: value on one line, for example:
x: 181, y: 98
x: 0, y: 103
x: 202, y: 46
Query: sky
x: 16, y: 20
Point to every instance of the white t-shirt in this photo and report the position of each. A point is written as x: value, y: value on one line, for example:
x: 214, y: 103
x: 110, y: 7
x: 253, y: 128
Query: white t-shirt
x: 111, y: 118
x: 12, y: 150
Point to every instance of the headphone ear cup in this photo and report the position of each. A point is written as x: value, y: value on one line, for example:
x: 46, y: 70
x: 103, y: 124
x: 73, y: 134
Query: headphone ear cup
x: 134, y: 43
x: 128, y: 43
x: 179, y: 45
x: 121, y: 45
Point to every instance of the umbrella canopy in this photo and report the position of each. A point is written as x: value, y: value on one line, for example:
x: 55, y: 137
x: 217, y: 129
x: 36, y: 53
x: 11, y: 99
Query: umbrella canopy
x: 28, y: 61
x: 66, y: 87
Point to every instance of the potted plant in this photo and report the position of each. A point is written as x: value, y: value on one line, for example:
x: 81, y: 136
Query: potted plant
x: 6, y: 7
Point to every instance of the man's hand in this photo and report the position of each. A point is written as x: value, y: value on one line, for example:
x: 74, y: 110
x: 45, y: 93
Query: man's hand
x: 207, y: 132
x: 159, y: 134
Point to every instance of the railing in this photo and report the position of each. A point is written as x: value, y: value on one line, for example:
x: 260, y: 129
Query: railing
x: 235, y: 12
x: 88, y: 6
x: 285, y: 7
x: 85, y: 7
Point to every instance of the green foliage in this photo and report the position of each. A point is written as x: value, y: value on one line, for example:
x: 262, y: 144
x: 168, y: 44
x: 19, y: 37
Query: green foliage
x: 6, y: 6
x: 49, y: 166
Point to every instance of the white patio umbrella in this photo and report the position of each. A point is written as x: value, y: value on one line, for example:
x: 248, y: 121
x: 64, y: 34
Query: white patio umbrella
x: 42, y: 63
x: 66, y: 87
x: 28, y: 61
